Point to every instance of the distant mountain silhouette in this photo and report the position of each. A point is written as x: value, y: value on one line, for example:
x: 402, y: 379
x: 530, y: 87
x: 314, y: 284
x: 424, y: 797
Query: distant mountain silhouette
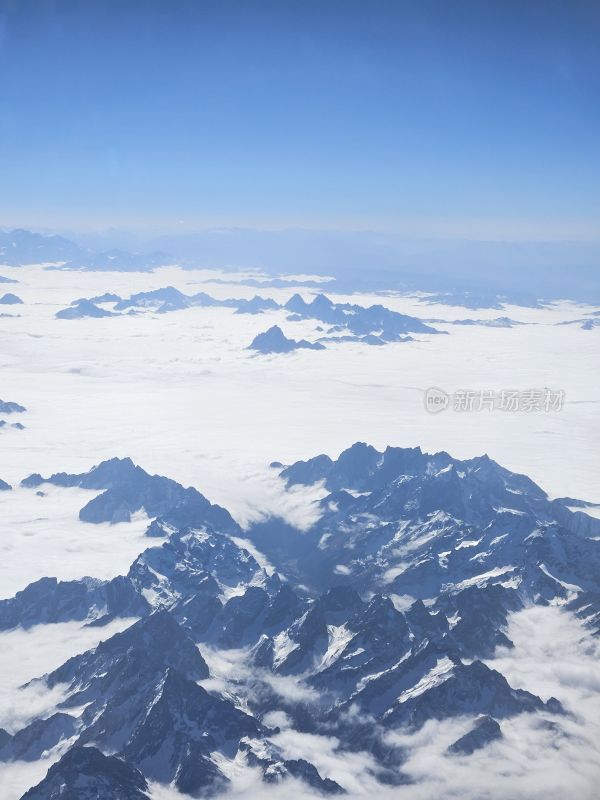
x: 21, y: 247
x: 274, y: 341
x: 10, y: 300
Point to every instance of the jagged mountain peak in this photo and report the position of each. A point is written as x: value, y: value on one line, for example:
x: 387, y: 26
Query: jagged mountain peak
x: 147, y: 647
x: 85, y: 773
x: 274, y: 340
x: 129, y: 488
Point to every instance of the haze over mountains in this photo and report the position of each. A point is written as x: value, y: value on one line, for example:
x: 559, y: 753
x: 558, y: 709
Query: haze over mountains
x: 477, y: 273
x: 20, y: 247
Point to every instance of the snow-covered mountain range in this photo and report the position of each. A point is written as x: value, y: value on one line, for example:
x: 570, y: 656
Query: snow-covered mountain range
x: 376, y: 622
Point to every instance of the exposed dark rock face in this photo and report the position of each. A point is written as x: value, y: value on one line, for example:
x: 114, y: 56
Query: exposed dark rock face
x: 31, y: 742
x: 84, y: 773
x: 484, y: 731
x: 128, y: 488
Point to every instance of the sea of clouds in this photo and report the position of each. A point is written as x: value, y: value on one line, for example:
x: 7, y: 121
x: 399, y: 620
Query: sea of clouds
x: 182, y: 396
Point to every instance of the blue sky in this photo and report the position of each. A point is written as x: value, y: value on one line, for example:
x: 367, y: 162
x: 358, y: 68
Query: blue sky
x: 476, y: 119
